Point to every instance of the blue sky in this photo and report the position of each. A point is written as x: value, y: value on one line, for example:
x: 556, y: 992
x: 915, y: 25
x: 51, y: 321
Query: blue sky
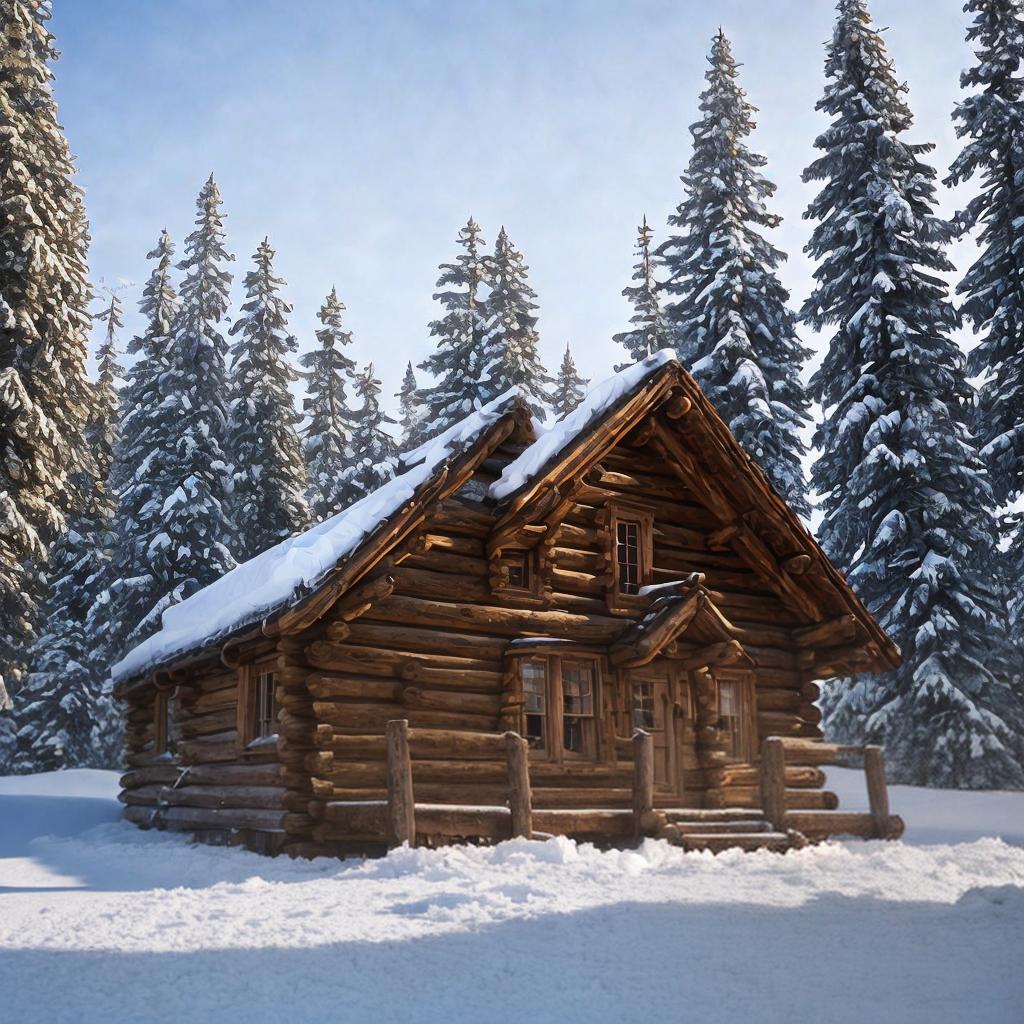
x: 359, y: 136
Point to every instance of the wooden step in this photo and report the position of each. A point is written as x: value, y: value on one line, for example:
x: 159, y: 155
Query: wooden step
x: 721, y: 827
x: 711, y: 814
x: 778, y: 842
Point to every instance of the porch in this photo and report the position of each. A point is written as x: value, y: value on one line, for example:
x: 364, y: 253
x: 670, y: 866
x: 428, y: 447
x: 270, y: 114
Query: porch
x: 775, y: 825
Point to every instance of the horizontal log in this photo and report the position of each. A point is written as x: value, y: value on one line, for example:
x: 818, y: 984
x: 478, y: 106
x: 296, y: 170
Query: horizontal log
x: 419, y: 698
x: 819, y: 824
x: 356, y: 659
x: 808, y: 752
x: 504, y: 621
x: 376, y: 716
x: 233, y: 818
x: 454, y: 822
x: 191, y: 727
x: 359, y: 819
x: 235, y: 775
x: 265, y: 797
x: 584, y: 822
x: 326, y: 685
x: 156, y: 774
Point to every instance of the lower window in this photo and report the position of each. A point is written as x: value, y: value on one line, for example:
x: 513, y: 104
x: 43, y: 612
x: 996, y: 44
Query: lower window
x: 264, y: 706
x: 733, y: 718
x: 559, y: 697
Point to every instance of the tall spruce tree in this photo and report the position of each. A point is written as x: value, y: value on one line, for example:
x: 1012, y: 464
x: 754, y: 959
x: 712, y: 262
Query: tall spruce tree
x: 66, y: 717
x: 455, y: 363
x: 327, y: 437
x: 508, y: 356
x: 729, y: 315
x: 570, y: 387
x: 142, y: 574
x: 410, y: 410
x: 649, y: 332
x: 991, y: 121
x: 907, y: 503
x: 192, y: 549
x: 374, y: 452
x: 44, y: 322
x: 270, y: 479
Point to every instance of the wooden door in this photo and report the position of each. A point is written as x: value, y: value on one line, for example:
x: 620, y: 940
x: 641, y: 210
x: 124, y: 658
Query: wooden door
x: 652, y: 705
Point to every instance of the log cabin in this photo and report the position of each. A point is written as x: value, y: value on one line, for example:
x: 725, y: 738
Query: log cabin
x: 607, y: 630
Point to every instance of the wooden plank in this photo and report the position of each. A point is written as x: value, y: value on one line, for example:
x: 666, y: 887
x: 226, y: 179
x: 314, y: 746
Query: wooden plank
x: 519, y: 797
x: 773, y: 781
x: 401, y: 809
x: 643, y: 780
x: 878, y: 793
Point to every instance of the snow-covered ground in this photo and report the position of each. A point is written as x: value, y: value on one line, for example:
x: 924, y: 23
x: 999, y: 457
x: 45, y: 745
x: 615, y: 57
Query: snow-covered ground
x: 100, y: 922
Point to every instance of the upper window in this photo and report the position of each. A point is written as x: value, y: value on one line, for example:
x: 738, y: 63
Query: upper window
x: 627, y: 555
x: 631, y: 540
x: 518, y: 567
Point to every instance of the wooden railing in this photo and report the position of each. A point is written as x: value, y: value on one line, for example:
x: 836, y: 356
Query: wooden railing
x: 777, y: 752
x: 403, y: 817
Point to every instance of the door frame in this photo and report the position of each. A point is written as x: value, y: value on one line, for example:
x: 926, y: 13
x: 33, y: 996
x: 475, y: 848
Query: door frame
x: 662, y: 671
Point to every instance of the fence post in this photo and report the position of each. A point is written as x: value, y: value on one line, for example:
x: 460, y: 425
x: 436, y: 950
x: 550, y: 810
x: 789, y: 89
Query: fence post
x: 878, y: 794
x: 520, y: 799
x: 773, y: 782
x: 643, y: 780
x: 401, y: 805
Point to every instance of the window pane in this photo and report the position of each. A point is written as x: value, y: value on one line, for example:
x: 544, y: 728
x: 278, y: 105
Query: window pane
x: 643, y: 706
x: 518, y: 570
x: 578, y: 687
x: 627, y: 556
x: 729, y: 716
x: 575, y: 735
x: 266, y: 712
x: 535, y: 703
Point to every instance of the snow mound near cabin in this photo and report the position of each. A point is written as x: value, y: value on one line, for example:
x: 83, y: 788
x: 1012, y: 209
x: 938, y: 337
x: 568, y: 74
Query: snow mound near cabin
x: 111, y: 924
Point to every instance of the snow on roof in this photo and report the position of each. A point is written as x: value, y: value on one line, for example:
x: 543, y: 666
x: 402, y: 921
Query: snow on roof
x: 294, y: 567
x: 598, y: 401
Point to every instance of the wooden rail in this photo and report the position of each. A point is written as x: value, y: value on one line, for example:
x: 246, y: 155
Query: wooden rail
x: 778, y: 752
x: 400, y: 817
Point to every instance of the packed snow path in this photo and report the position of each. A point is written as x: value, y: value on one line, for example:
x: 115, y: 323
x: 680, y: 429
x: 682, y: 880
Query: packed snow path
x: 100, y: 922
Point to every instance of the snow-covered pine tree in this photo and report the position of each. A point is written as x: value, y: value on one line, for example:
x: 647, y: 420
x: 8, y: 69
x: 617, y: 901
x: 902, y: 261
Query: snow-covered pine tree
x: 327, y: 436
x: 650, y: 331
x: 268, y: 501
x: 142, y: 573
x: 906, y: 499
x: 410, y: 410
x: 508, y: 356
x: 66, y: 716
x: 570, y: 387
x: 192, y: 549
x: 454, y: 364
x: 374, y: 452
x: 991, y: 121
x: 729, y: 316
x: 44, y: 322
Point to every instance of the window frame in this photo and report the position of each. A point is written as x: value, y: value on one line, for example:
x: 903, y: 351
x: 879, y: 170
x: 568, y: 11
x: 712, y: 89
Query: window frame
x: 248, y: 717
x: 743, y: 684
x: 555, y: 749
x: 621, y: 514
